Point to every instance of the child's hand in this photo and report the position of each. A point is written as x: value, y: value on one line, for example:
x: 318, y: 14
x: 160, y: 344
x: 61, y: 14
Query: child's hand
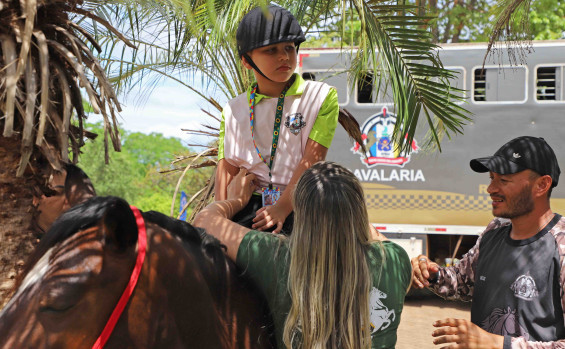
x: 242, y: 186
x: 269, y: 216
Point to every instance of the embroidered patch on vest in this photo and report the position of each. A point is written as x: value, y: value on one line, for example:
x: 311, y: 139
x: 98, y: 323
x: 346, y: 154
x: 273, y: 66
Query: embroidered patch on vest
x: 525, y: 287
x: 295, y: 122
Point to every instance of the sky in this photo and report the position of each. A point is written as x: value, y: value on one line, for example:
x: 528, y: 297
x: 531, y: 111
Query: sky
x: 169, y: 108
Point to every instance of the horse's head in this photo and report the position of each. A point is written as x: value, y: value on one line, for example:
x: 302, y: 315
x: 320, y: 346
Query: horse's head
x: 87, y: 254
x: 76, y: 276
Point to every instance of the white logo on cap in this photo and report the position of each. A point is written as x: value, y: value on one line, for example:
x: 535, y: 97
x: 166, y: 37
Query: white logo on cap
x: 516, y: 156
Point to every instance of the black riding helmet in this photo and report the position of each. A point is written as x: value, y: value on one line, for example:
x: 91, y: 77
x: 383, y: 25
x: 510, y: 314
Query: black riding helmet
x: 255, y: 30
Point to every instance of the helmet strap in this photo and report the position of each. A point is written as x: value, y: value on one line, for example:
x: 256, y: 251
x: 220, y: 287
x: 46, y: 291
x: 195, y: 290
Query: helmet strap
x: 254, y: 66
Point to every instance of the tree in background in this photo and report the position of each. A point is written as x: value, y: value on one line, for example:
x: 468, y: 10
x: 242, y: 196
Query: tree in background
x: 455, y: 21
x: 472, y: 20
x: 136, y: 173
x: 547, y: 19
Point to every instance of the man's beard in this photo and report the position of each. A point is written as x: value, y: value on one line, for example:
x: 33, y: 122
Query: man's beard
x: 521, y: 205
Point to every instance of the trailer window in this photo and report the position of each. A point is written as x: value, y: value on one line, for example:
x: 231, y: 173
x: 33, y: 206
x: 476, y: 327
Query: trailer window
x: 548, y: 83
x: 371, y: 90
x: 506, y: 84
x: 365, y: 88
x: 479, y: 87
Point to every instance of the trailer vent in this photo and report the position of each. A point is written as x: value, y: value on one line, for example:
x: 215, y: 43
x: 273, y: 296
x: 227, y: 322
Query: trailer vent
x: 479, y: 87
x: 309, y: 76
x: 365, y: 88
x: 546, y: 78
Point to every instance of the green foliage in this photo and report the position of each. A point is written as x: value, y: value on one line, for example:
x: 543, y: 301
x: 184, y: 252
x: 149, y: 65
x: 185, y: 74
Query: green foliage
x: 133, y: 173
x: 335, y: 32
x: 455, y: 21
x: 547, y: 19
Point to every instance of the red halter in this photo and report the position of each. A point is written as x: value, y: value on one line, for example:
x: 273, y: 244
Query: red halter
x: 141, y: 248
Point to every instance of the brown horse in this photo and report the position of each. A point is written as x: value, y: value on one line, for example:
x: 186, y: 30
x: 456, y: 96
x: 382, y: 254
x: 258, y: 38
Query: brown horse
x: 188, y: 294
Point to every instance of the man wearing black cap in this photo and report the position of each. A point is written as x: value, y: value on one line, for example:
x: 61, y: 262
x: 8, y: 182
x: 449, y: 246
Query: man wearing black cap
x: 515, y: 272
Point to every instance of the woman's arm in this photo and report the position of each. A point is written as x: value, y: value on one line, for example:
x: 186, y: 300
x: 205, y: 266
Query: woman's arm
x: 215, y: 218
x: 269, y: 216
x: 224, y: 175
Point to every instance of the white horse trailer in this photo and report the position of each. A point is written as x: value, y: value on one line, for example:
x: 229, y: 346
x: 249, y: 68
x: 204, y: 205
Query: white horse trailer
x: 433, y: 203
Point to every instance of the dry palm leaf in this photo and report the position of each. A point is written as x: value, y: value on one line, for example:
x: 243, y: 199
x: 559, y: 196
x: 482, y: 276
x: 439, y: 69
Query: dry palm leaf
x: 44, y: 62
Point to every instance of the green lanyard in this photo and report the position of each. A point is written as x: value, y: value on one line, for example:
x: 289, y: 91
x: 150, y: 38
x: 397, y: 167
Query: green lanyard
x: 276, y: 128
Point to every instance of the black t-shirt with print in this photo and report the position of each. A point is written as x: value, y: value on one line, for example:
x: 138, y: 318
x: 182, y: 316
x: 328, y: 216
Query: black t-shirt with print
x: 517, y: 285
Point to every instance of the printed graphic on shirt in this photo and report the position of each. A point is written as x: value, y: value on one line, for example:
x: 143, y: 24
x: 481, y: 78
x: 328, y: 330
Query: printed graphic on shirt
x: 295, y: 122
x: 380, y: 316
x: 504, y: 322
x: 525, y: 287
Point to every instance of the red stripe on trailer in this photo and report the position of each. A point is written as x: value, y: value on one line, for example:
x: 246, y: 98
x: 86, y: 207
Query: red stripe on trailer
x: 302, y: 56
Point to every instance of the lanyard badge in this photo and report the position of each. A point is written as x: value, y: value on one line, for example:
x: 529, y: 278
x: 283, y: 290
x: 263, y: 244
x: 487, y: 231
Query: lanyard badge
x: 270, y: 194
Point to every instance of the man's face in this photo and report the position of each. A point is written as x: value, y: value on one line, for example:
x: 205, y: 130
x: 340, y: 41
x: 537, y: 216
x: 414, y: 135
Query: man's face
x: 511, y: 194
x: 51, y: 207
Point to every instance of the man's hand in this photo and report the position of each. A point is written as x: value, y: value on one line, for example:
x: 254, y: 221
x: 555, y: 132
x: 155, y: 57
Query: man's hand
x: 268, y: 217
x: 423, y: 268
x: 459, y: 333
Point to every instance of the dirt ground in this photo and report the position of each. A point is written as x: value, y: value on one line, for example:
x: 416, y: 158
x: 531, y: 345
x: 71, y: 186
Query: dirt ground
x: 416, y: 328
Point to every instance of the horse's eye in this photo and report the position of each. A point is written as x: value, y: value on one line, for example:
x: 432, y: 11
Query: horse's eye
x: 50, y: 309
x: 58, y: 298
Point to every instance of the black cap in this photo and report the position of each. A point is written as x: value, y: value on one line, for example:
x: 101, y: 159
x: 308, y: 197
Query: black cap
x: 255, y: 30
x: 521, y: 154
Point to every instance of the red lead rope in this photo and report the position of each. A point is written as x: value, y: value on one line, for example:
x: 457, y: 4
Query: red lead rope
x: 141, y: 248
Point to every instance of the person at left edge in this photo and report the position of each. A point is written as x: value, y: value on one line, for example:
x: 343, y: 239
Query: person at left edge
x: 268, y: 46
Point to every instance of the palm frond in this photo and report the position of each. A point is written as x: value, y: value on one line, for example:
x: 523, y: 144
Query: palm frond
x: 399, y: 44
x: 512, y: 27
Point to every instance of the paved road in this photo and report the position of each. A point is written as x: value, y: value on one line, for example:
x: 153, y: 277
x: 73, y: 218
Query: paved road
x: 416, y: 328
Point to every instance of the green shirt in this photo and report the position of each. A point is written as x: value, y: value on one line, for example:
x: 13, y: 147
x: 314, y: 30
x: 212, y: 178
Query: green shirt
x: 265, y: 258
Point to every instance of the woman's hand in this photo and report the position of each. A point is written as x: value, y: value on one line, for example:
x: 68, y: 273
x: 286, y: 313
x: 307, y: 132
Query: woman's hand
x: 242, y: 187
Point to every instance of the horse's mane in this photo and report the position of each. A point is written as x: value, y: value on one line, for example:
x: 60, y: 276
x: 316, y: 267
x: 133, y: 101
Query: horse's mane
x: 116, y: 213
x: 217, y: 268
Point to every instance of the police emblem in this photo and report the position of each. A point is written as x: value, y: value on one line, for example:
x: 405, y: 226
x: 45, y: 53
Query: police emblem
x: 295, y: 122
x: 377, y: 137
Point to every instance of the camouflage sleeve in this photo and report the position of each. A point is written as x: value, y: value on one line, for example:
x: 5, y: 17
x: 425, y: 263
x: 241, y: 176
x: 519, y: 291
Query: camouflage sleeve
x: 457, y: 282
x: 521, y: 343
x: 558, y: 231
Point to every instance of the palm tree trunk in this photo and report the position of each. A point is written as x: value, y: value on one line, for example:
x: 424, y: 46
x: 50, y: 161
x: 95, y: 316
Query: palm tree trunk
x: 17, y: 239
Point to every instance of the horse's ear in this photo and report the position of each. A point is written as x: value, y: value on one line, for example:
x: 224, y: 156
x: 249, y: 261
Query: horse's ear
x: 78, y: 187
x: 120, y: 225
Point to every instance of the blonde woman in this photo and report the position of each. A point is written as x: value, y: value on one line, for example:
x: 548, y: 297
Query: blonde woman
x: 335, y: 282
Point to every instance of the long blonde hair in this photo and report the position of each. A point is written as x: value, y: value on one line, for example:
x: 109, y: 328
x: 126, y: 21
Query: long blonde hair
x: 329, y: 279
